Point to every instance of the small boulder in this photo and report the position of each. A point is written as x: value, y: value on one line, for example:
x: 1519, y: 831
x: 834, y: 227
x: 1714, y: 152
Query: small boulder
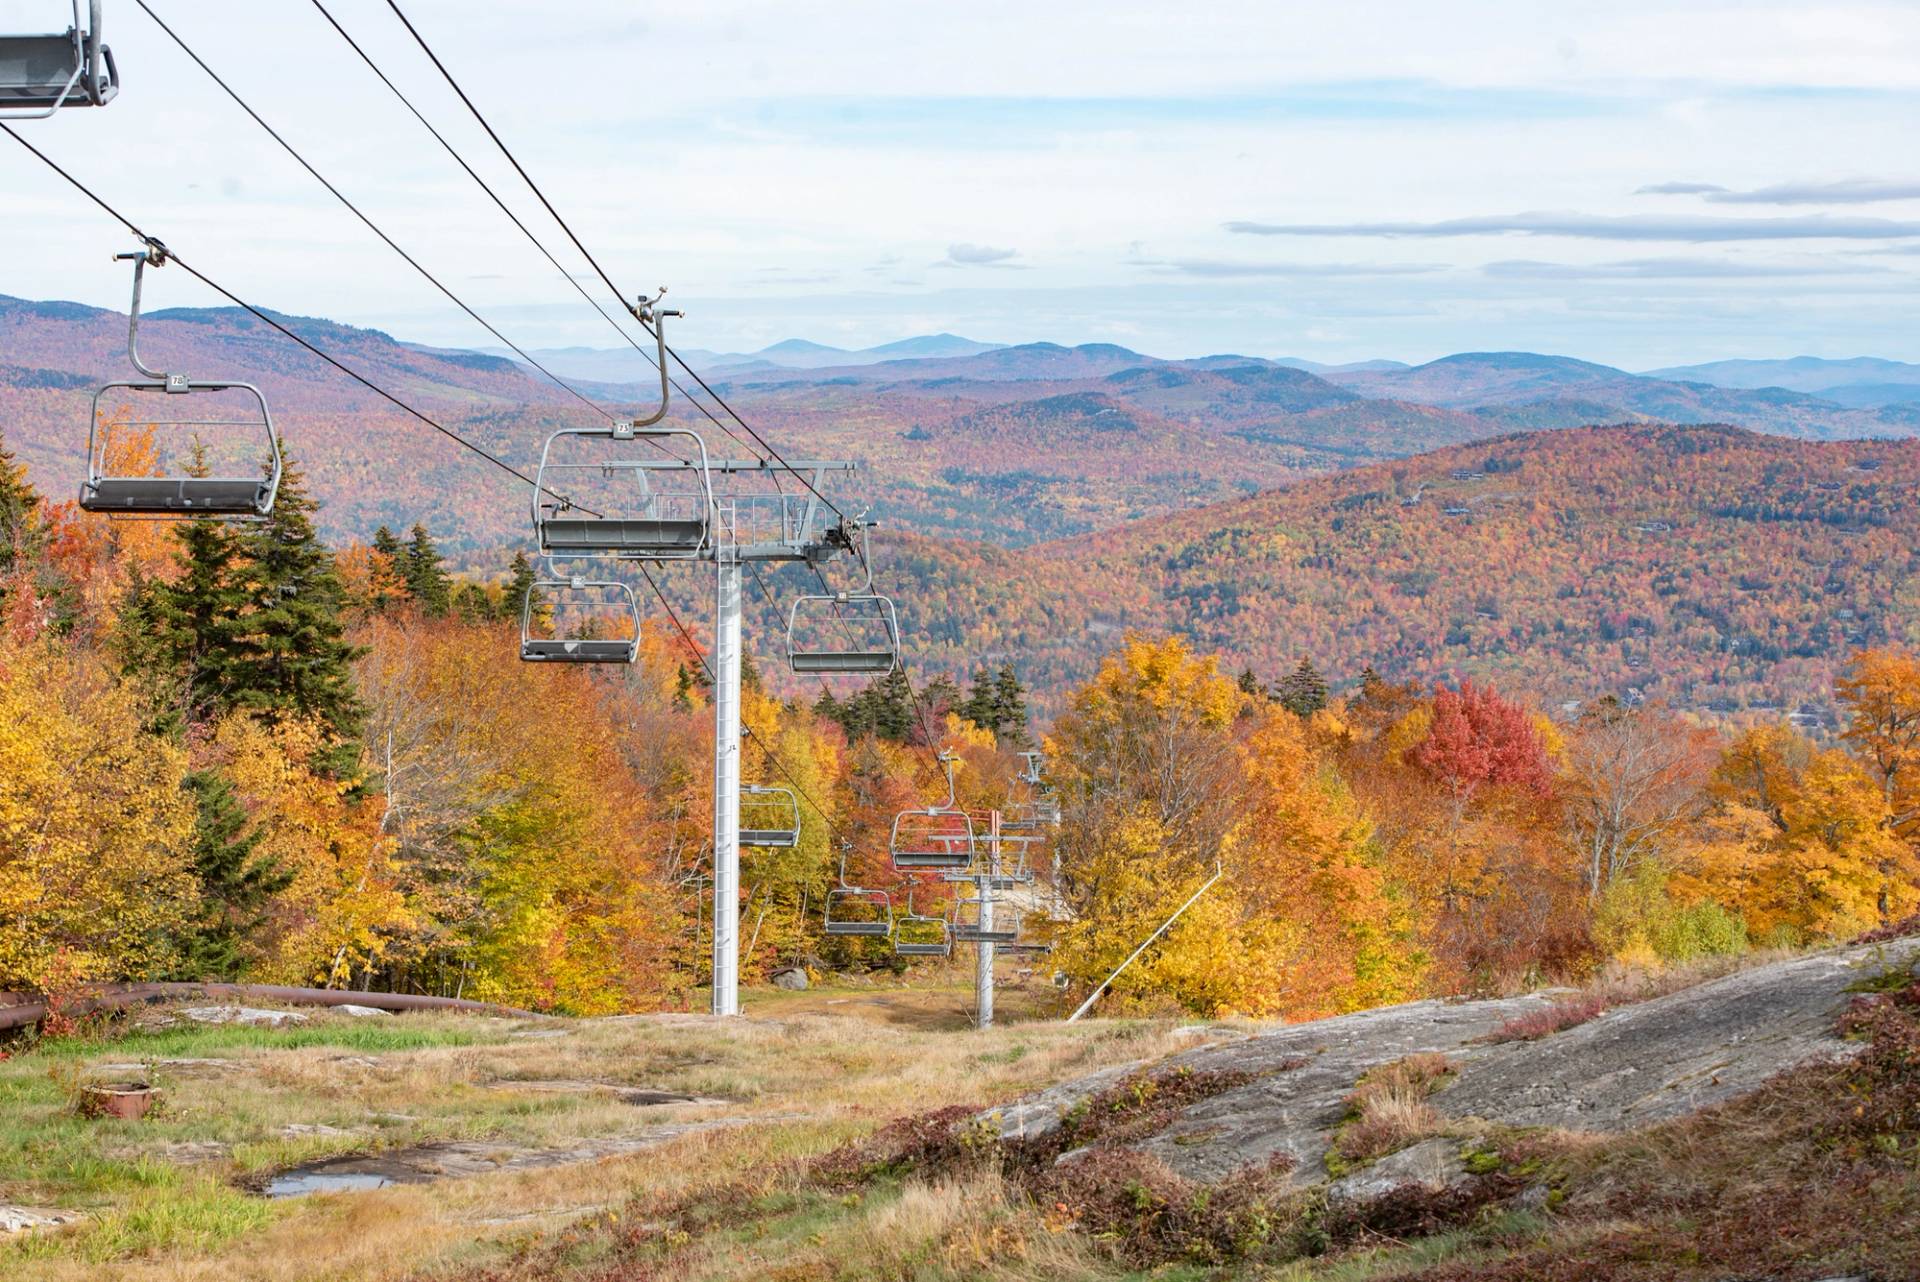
x: 250, y: 1016
x: 360, y: 1012
x: 1431, y: 1164
x: 21, y: 1219
x: 793, y: 979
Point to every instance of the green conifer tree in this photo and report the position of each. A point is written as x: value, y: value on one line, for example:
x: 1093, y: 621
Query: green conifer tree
x: 427, y: 579
x: 292, y: 658
x: 235, y: 884
x: 1009, y: 706
x: 181, y: 639
x: 1303, y: 691
x: 980, y: 704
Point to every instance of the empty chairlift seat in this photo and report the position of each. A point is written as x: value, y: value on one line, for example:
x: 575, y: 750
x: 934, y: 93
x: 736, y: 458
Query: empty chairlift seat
x: 858, y: 911
x: 40, y: 74
x: 849, y: 632
x: 918, y: 935
x: 1005, y: 928
x: 210, y: 449
x: 579, y: 621
x: 934, y: 838
x: 624, y: 503
x: 769, y: 816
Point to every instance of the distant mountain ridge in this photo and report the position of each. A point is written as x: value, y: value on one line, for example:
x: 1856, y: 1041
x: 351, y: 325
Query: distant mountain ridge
x: 1861, y: 381
x: 626, y: 365
x: 1013, y: 444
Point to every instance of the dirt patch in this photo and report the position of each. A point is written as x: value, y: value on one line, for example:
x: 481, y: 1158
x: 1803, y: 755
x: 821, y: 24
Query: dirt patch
x: 639, y: 1096
x: 462, y: 1159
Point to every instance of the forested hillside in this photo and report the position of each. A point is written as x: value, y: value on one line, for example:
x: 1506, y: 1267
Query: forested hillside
x: 1709, y: 568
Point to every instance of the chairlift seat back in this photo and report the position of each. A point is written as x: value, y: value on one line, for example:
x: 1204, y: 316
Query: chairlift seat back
x: 857, y: 661
x: 775, y: 838
x: 931, y: 858
x: 971, y: 933
x: 178, y: 495
x: 631, y: 536
x: 909, y: 949
x: 568, y: 650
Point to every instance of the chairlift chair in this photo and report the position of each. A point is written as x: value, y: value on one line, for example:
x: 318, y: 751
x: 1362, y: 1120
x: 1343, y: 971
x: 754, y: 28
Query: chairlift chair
x: 571, y: 598
x: 857, y: 910
x: 178, y: 494
x: 934, y: 838
x: 1030, y: 767
x: 939, y: 836
x: 654, y: 526
x: 972, y: 932
x: 844, y: 632
x: 769, y: 816
x: 918, y: 935
x: 39, y: 74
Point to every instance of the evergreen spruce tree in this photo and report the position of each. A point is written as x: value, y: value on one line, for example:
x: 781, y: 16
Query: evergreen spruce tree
x: 427, y: 579
x: 1249, y: 683
x: 388, y: 545
x: 1009, y: 706
x: 183, y: 639
x: 20, y: 532
x: 1303, y: 691
x: 473, y: 604
x: 292, y: 659
x: 893, y: 706
x: 235, y: 884
x: 980, y: 704
x: 520, y: 581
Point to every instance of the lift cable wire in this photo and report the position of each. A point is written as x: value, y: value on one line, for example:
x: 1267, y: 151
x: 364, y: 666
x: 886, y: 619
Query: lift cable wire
x: 568, y: 276
x: 447, y: 75
x: 268, y: 319
x: 370, y: 224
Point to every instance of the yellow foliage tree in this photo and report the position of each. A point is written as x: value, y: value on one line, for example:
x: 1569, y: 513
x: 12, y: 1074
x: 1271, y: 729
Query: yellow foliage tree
x: 1166, y: 770
x: 1797, y: 843
x: 96, y: 875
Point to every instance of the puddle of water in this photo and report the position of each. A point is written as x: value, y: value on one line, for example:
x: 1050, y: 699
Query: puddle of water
x: 342, y: 1175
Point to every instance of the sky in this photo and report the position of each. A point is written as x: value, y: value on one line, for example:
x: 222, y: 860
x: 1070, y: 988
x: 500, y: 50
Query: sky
x: 1643, y: 184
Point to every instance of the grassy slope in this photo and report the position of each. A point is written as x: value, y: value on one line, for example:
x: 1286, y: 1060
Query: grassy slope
x: 1815, y: 1175
x: 159, y: 1208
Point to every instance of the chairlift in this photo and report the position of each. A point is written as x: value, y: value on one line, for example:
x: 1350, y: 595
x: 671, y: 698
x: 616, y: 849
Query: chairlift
x: 580, y: 607
x: 1030, y: 766
x: 972, y: 932
x: 643, y: 523
x: 919, y: 935
x: 181, y: 493
x: 769, y: 816
x: 936, y: 837
x: 857, y: 910
x: 845, y: 632
x: 39, y: 74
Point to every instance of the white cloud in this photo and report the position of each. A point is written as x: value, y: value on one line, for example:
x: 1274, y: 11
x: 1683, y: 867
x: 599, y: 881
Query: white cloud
x: 1680, y: 227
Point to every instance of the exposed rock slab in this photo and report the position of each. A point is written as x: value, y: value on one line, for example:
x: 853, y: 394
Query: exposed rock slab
x: 1307, y: 1072
x: 1656, y: 1060
x: 1637, y: 1064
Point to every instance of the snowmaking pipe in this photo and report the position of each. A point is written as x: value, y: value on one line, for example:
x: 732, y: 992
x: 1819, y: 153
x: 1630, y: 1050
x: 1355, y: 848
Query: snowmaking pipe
x: 19, y: 1009
x: 1218, y: 871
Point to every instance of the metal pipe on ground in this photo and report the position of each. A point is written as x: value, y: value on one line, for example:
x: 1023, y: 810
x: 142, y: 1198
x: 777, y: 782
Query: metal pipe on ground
x: 20, y: 1009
